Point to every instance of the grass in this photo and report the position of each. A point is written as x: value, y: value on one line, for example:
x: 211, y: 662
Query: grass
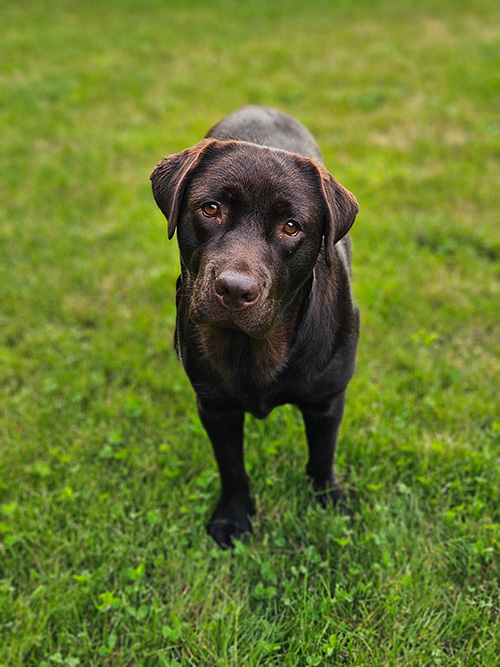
x: 106, y: 475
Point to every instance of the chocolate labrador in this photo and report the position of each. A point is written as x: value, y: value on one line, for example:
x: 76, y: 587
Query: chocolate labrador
x: 265, y: 313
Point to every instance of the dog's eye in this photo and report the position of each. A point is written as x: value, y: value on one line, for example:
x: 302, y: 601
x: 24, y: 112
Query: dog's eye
x: 210, y: 209
x: 291, y: 228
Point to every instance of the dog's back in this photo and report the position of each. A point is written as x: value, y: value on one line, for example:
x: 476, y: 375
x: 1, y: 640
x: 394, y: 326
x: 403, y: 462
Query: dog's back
x: 267, y: 127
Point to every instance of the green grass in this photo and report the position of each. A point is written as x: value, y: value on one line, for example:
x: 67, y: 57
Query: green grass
x: 106, y: 476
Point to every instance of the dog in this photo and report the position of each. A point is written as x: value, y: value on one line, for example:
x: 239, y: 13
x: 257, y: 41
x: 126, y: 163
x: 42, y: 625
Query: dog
x: 265, y: 312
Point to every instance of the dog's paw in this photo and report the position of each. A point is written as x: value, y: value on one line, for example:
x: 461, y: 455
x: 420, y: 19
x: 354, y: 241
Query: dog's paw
x: 330, y: 493
x: 231, y: 520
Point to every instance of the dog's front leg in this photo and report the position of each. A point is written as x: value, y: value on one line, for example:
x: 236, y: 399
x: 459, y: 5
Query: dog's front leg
x: 232, y: 516
x: 322, y: 422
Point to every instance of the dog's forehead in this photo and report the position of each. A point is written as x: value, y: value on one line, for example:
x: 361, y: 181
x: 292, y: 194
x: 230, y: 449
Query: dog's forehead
x: 247, y: 170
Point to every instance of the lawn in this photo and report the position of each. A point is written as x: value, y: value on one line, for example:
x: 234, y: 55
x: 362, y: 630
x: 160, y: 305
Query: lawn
x: 106, y: 476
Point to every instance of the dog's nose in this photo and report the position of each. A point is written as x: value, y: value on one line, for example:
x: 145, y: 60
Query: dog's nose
x: 236, y: 290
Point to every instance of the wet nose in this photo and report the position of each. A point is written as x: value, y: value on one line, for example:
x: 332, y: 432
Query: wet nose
x: 236, y: 290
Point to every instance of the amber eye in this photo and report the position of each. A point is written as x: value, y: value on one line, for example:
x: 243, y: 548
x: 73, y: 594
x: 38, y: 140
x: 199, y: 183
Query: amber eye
x: 291, y: 228
x: 210, y: 209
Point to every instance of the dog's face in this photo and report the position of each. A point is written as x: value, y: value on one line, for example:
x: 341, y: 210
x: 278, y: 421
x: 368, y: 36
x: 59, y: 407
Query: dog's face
x: 250, y: 223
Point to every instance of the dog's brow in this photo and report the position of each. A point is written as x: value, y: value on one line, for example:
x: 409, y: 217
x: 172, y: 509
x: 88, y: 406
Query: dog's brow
x: 217, y: 190
x: 281, y: 205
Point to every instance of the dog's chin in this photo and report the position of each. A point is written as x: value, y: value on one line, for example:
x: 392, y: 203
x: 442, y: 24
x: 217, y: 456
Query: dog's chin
x: 255, y: 328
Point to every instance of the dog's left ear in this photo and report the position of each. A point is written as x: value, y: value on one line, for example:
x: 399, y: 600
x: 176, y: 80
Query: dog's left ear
x: 169, y: 179
x: 342, y: 208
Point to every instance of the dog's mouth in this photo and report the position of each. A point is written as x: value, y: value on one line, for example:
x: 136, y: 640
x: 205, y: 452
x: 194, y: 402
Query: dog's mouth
x: 255, y: 320
x: 255, y: 327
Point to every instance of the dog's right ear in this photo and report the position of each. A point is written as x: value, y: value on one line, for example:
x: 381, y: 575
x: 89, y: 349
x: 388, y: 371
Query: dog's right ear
x: 170, y: 177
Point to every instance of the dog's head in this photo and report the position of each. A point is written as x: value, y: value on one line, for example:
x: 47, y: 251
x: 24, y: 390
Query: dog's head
x: 250, y: 224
